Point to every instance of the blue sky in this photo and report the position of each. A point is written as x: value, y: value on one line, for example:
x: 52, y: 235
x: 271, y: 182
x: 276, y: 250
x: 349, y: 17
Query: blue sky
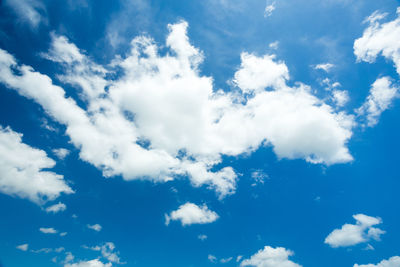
x: 199, y: 133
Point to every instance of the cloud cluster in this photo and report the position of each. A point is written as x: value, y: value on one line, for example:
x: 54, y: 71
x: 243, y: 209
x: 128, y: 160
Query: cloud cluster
x: 22, y: 171
x: 271, y: 257
x: 392, y: 262
x: 157, y: 118
x: 190, y: 213
x: 353, y: 234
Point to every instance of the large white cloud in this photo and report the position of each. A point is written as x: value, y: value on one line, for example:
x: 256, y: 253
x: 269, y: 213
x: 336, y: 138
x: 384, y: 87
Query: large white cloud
x: 380, y: 38
x: 353, y: 234
x: 392, y: 262
x: 22, y: 171
x: 271, y: 257
x: 159, y: 118
x: 190, y: 213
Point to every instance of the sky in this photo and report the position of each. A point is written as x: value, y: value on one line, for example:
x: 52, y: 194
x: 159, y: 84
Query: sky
x: 199, y: 133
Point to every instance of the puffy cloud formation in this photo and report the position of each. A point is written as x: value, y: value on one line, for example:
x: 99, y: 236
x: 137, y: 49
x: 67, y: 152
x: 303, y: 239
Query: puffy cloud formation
x: 107, y: 251
x: 382, y: 94
x: 96, y: 227
x: 157, y: 118
x: 23, y: 247
x: 91, y: 263
x: 21, y: 170
x: 61, y: 153
x: 271, y: 257
x: 190, y: 213
x: 380, y: 39
x: 353, y: 234
x: 56, y: 208
x: 49, y: 230
x: 392, y: 262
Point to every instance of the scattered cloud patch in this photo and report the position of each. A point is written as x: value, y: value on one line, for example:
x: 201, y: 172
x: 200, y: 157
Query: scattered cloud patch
x: 56, y: 208
x: 29, y: 11
x: 23, y: 247
x: 274, y: 45
x: 271, y: 257
x: 381, y: 96
x: 61, y: 153
x: 91, y: 263
x: 269, y: 9
x: 49, y: 230
x: 63, y: 234
x: 225, y: 260
x: 258, y: 177
x: 340, y: 97
x: 190, y: 213
x: 212, y: 258
x: 21, y: 170
x: 202, y: 237
x: 96, y: 227
x: 107, y: 251
x: 325, y: 67
x: 353, y: 234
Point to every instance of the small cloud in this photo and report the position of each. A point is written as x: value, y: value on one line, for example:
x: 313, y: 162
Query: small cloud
x: 23, y: 247
x: 325, y: 67
x: 56, y: 208
x: 274, y: 45
x: 258, y: 177
x: 190, y: 213
x: 269, y: 9
x: 74, y: 216
x: 96, y: 227
x: 226, y: 260
x: 238, y: 258
x: 63, y: 234
x: 369, y: 247
x: 48, y: 230
x: 61, y: 153
x: 202, y: 237
x: 212, y: 258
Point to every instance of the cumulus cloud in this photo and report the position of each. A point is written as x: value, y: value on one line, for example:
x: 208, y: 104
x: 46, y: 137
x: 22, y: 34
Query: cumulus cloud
x: 380, y: 38
x: 353, y: 234
x: 107, y: 251
x: 190, y: 213
x: 21, y: 170
x: 23, y: 247
x: 91, y: 263
x: 340, y: 97
x: 391, y: 262
x: 96, y: 227
x: 160, y: 119
x: 381, y: 96
x: 49, y: 230
x: 61, y: 153
x: 325, y: 67
x: 271, y: 257
x: 56, y: 208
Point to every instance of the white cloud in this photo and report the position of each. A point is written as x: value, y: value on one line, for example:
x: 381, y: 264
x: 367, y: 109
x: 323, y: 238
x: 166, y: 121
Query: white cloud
x: 152, y: 125
x: 49, y: 230
x: 56, y: 208
x: 107, y: 251
x: 340, y: 97
x: 96, y: 227
x: 30, y: 11
x: 353, y: 234
x: 63, y: 234
x: 274, y: 45
x: 392, y: 262
x: 21, y: 170
x: 381, y: 95
x: 61, y: 153
x: 190, y: 213
x: 91, y: 263
x: 23, y: 247
x: 269, y: 9
x: 212, y: 258
x: 271, y: 257
x: 259, y: 177
x: 202, y: 237
x: 225, y: 260
x: 325, y: 67
x: 380, y: 39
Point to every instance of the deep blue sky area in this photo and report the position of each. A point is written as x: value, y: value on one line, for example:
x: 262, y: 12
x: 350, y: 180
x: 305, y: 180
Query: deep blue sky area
x: 304, y: 162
